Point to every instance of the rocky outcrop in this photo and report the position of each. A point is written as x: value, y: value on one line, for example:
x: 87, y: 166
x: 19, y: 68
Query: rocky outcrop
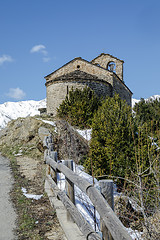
x: 20, y: 131
x: 29, y: 133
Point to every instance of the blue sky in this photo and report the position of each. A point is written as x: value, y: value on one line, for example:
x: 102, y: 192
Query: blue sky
x: 39, y: 36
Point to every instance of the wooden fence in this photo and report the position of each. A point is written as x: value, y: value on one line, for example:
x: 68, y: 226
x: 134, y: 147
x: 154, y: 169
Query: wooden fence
x: 112, y: 226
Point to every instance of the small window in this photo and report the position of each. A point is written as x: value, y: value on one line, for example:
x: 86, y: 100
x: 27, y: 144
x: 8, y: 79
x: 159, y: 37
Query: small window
x: 78, y: 66
x: 111, y: 66
x: 97, y: 64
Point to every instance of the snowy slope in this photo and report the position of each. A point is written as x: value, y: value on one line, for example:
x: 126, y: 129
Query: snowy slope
x: 13, y: 110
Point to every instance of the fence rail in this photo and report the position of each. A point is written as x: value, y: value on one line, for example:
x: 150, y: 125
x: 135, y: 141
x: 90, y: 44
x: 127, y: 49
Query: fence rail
x: 107, y: 215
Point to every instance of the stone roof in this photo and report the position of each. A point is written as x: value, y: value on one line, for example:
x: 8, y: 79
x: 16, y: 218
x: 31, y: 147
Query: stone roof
x: 76, y: 75
x: 77, y: 58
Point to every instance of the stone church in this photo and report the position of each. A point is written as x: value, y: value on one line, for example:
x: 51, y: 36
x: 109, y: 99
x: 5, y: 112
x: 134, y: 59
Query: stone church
x: 104, y: 75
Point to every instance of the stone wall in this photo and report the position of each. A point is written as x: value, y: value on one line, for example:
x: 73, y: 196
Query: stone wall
x: 57, y: 91
x: 122, y: 90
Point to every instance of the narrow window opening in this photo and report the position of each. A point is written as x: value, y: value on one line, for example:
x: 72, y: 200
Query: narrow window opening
x: 111, y: 66
x: 78, y: 66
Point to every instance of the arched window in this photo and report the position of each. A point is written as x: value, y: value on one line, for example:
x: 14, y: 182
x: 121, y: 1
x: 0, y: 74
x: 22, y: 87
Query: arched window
x: 111, y: 66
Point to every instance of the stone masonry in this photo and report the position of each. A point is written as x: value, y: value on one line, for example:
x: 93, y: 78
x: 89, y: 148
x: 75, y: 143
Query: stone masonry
x: 103, y: 74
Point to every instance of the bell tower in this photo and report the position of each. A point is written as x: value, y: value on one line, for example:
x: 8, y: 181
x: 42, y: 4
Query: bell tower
x: 110, y: 63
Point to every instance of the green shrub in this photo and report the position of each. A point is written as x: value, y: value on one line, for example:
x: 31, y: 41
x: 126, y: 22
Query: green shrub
x: 78, y: 107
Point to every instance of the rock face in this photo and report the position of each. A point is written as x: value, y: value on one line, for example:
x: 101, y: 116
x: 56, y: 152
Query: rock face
x: 68, y: 143
x: 22, y: 130
x: 30, y: 132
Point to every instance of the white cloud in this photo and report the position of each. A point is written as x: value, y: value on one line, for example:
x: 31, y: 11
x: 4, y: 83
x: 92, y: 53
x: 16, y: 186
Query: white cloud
x: 16, y: 93
x: 38, y: 48
x: 41, y: 49
x: 5, y: 58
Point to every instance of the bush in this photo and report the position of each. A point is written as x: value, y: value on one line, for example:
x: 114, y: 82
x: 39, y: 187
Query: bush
x: 78, y: 107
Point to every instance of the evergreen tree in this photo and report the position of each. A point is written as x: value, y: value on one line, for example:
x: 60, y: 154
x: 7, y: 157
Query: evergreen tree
x: 111, y: 147
x: 147, y: 112
x: 79, y: 106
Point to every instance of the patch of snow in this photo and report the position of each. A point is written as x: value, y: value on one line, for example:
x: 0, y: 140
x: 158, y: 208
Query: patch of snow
x: 18, y: 154
x: 33, y: 196
x: 48, y: 122
x: 51, y: 123
x: 85, y: 133
x: 135, y: 235
x: 82, y: 201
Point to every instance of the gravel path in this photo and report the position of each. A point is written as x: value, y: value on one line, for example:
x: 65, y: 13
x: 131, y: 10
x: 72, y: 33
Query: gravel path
x: 7, y: 213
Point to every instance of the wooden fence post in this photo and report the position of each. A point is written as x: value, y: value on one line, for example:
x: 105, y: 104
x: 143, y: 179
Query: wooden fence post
x: 69, y: 186
x: 53, y: 155
x: 106, y: 188
x: 50, y: 146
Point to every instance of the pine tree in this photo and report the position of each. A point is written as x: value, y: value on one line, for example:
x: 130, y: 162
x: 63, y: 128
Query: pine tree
x: 111, y: 147
x: 147, y: 111
x: 79, y: 106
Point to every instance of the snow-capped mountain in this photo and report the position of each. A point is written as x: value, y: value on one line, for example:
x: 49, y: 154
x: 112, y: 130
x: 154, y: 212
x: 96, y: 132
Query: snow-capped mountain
x: 13, y: 110
x: 154, y: 97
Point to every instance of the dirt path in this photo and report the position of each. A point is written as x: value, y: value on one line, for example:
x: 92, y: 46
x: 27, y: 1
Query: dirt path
x: 7, y: 213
